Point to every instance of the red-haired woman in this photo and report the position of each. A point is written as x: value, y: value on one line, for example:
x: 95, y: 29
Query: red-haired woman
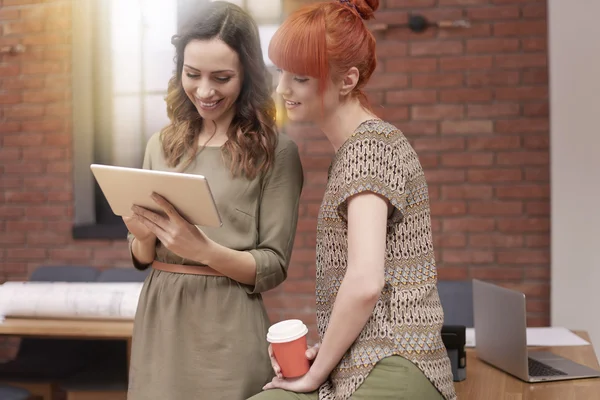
x: 200, y: 326
x: 378, y: 311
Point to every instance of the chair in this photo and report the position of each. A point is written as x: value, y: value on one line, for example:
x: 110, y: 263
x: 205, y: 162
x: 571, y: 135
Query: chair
x: 14, y: 393
x: 457, y: 302
x: 123, y: 275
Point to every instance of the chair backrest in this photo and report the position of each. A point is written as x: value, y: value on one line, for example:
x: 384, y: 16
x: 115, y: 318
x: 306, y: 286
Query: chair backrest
x: 64, y: 273
x: 123, y: 275
x: 13, y: 393
x: 457, y: 301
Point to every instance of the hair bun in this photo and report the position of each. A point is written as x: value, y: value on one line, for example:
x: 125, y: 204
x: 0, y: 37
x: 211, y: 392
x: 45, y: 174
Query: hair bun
x: 366, y: 8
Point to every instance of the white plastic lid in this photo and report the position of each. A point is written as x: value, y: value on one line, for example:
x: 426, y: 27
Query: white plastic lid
x: 286, y: 331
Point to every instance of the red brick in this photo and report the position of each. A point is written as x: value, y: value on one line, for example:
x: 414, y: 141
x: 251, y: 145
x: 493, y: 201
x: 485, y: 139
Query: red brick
x: 535, y: 76
x: 452, y: 273
x: 439, y: 144
x: 534, y: 44
x: 526, y: 257
x: 469, y: 256
x: 26, y: 226
x: 22, y: 83
x: 44, y: 39
x: 44, y: 96
x: 449, y: 240
x: 496, y: 273
x: 521, y: 60
x: 391, y: 48
x: 493, y: 13
x: 523, y: 191
x: 523, y: 126
x: 538, y: 174
x: 44, y: 126
x: 410, y: 3
x: 23, y: 139
x: 537, y: 240
x: 12, y: 238
x: 495, y: 208
x: 523, y: 158
x: 541, y: 208
x: 437, y: 47
x: 422, y: 96
x: 495, y: 240
x: 448, y: 208
x: 46, y: 212
x: 8, y: 14
x: 520, y: 28
x: 466, y: 95
x: 493, y: 78
x: 444, y: 176
x: 468, y: 224
x: 57, y: 139
x: 44, y: 153
x: 466, y: 191
x: 492, y: 45
x: 25, y: 197
x: 524, y: 225
x: 392, y: 114
x: 522, y: 93
x: 534, y: 10
x: 536, y: 110
x: 437, y: 112
x: 466, y: 63
x: 537, y: 142
x: 495, y: 175
x: 26, y: 254
x: 405, y: 65
x: 44, y: 68
x: 9, y: 70
x: 476, y: 30
x: 462, y: 2
x: 494, y: 143
x: 388, y: 81
x: 25, y: 168
x: 419, y: 128
x: 23, y: 112
x: 70, y: 254
x: 437, y: 80
x: 467, y: 159
x: 10, y: 127
x: 492, y: 110
x: 10, y: 98
x: 23, y: 27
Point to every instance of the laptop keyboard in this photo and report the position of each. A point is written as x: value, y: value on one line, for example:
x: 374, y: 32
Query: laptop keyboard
x: 537, y: 368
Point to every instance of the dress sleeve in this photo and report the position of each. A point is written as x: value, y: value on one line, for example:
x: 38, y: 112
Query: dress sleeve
x: 371, y: 162
x: 278, y: 217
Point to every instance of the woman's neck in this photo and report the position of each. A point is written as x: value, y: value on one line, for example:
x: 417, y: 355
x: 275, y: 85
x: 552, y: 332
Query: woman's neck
x: 214, y: 132
x: 339, y: 125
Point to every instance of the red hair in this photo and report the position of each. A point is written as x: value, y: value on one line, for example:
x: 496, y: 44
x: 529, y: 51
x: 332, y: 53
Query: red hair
x: 325, y: 40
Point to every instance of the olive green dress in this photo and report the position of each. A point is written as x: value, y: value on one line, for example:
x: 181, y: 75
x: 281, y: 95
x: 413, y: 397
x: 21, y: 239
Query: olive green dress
x: 204, y: 337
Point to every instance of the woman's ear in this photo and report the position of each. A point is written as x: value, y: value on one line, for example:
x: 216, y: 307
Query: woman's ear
x: 349, y: 81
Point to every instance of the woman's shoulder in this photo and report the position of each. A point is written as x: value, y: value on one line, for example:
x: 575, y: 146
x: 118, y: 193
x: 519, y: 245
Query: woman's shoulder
x: 285, y: 144
x: 378, y: 128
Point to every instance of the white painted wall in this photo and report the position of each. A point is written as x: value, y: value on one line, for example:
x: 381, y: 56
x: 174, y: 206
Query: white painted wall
x: 574, y: 51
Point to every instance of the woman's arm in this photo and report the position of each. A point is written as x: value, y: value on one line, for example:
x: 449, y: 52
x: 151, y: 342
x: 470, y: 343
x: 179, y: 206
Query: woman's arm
x: 362, y: 284
x: 262, y: 268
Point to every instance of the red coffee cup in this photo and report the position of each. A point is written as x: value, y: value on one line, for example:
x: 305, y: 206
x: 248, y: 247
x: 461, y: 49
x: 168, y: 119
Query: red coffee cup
x: 288, y: 341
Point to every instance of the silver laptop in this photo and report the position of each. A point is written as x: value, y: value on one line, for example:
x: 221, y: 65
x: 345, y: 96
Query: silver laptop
x: 501, y: 338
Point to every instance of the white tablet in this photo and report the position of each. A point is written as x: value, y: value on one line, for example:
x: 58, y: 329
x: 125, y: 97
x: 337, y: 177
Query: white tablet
x: 189, y: 194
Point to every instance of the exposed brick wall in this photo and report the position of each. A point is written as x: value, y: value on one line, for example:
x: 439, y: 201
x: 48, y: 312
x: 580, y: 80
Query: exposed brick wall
x: 474, y: 103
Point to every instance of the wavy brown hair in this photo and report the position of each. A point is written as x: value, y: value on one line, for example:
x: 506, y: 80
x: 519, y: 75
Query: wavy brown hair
x: 252, y: 135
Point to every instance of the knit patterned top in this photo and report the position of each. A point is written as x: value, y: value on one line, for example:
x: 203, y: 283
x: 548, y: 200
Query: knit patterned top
x: 408, y: 316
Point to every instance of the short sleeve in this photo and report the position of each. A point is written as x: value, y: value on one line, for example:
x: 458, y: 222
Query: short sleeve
x: 371, y: 162
x: 147, y: 164
x: 278, y: 217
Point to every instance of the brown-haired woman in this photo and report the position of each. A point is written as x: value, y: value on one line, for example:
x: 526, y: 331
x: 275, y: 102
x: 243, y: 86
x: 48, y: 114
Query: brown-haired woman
x: 378, y: 311
x: 200, y: 326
